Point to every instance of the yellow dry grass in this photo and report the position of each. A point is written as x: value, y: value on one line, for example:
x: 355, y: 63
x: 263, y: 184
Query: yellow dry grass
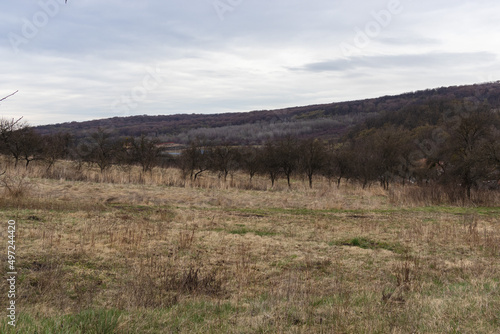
x: 175, y: 257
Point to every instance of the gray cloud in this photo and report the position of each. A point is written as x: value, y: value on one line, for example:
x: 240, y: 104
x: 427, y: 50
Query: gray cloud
x: 408, y: 40
x: 425, y: 61
x: 87, y: 55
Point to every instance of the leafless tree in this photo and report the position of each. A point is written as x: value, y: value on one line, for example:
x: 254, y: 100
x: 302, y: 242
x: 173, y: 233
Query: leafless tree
x: 270, y: 162
x: 467, y: 157
x: 224, y: 159
x: 56, y: 146
x: 30, y: 144
x: 288, y: 156
x: 339, y: 163
x: 312, y: 158
x: 144, y: 151
x: 9, y: 144
x: 99, y: 148
x: 194, y: 160
x: 251, y: 160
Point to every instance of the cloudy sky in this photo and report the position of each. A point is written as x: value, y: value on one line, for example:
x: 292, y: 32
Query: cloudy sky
x: 91, y: 59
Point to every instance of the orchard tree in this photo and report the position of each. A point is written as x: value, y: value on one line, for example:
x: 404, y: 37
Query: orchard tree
x: 270, y: 162
x: 366, y: 160
x: 30, y: 144
x: 466, y: 158
x: 251, y: 160
x: 56, y: 146
x: 340, y: 163
x: 493, y: 151
x: 194, y: 160
x: 7, y: 129
x: 287, y: 155
x: 312, y: 158
x: 99, y: 148
x: 390, y: 145
x: 143, y: 151
x: 9, y: 144
x: 224, y: 159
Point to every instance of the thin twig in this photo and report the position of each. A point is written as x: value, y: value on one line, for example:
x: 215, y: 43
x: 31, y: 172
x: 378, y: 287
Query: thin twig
x: 4, y: 98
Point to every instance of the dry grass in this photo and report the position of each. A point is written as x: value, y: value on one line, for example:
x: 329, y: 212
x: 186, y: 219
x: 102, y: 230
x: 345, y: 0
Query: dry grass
x: 160, y: 256
x: 442, y: 195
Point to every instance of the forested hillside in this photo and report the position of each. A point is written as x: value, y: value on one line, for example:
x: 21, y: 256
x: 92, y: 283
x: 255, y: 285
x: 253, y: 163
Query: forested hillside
x: 326, y: 121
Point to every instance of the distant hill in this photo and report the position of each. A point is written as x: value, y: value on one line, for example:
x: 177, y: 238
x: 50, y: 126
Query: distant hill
x: 328, y: 121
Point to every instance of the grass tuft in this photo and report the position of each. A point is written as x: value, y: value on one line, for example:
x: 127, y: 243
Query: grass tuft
x: 366, y: 243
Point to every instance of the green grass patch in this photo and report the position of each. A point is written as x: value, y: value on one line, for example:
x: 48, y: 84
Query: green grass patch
x: 88, y: 322
x: 188, y: 317
x: 366, y: 243
x: 240, y: 231
x: 130, y: 208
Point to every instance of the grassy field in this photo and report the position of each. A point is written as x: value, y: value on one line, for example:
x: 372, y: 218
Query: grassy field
x: 158, y: 255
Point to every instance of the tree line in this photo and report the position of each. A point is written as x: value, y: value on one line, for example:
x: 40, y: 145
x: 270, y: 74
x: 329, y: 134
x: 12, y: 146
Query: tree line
x: 468, y: 155
x: 462, y: 151
x: 102, y: 149
x: 459, y: 148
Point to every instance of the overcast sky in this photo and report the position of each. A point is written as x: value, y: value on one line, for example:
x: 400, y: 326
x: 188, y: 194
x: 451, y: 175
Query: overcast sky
x: 91, y: 59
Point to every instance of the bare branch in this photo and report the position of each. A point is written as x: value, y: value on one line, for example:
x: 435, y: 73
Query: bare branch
x: 4, y: 98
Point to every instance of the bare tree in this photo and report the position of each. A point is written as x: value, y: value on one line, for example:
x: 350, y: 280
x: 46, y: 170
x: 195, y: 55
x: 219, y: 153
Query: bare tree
x: 340, y: 163
x: 144, y: 151
x: 288, y: 156
x: 6, y: 129
x: 390, y: 145
x: 9, y: 144
x: 366, y: 161
x: 194, y: 160
x: 224, y: 159
x: 312, y: 158
x: 100, y: 149
x: 466, y: 157
x: 493, y: 150
x: 270, y: 161
x: 56, y: 146
x: 30, y: 144
x: 251, y: 160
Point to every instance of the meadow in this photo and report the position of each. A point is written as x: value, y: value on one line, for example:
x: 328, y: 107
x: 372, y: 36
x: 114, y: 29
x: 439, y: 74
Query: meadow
x: 131, y: 252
